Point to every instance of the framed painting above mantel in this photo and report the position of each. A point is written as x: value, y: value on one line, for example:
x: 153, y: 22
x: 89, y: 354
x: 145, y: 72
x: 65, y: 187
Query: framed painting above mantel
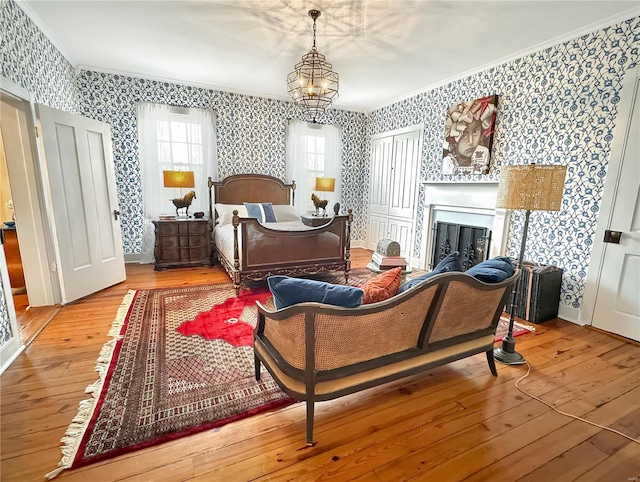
x: 469, y: 129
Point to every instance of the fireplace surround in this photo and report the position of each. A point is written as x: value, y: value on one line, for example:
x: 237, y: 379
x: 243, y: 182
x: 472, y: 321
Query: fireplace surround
x: 466, y: 203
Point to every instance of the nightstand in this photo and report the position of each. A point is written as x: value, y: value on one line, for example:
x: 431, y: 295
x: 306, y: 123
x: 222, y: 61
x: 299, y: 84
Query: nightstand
x: 315, y: 221
x: 182, y: 243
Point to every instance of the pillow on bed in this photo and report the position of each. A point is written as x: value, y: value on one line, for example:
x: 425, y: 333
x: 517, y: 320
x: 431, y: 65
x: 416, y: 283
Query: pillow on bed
x: 285, y: 212
x: 225, y: 212
x: 289, y: 291
x: 263, y: 212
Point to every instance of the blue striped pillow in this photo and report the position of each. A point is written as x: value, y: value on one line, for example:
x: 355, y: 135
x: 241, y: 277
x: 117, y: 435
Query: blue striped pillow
x: 263, y: 212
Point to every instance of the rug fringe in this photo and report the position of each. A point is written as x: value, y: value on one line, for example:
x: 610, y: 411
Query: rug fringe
x: 70, y: 443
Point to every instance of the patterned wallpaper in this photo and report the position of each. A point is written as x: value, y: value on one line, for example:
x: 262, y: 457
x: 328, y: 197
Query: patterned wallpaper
x: 28, y: 58
x: 556, y: 106
x: 250, y: 133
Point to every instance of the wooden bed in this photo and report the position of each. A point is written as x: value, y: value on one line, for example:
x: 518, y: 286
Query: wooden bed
x: 259, y: 251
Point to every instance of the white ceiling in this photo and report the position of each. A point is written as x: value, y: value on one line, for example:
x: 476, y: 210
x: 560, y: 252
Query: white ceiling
x: 382, y: 50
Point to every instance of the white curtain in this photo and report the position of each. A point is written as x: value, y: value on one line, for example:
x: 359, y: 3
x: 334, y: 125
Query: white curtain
x: 156, y: 199
x: 304, y: 164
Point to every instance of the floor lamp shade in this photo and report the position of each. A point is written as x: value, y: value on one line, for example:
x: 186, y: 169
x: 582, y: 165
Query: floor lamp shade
x: 532, y: 187
x: 326, y: 184
x: 179, y: 179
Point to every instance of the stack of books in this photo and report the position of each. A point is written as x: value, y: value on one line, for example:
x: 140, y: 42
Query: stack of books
x: 382, y: 262
x: 166, y: 217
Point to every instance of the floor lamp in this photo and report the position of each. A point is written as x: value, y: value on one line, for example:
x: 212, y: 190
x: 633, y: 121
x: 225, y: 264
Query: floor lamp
x: 530, y: 187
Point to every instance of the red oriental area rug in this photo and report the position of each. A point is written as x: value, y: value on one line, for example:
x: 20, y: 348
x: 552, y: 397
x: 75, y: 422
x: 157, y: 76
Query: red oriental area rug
x: 158, y: 382
x: 180, y: 362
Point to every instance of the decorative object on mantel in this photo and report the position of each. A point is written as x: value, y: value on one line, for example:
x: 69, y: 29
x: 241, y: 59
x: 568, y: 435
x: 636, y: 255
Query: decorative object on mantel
x: 323, y: 184
x: 469, y: 131
x: 530, y: 188
x: 313, y: 84
x: 181, y: 179
x: 336, y: 209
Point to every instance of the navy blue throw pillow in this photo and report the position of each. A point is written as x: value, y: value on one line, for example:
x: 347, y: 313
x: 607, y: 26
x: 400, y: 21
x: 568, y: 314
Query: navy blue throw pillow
x: 263, y: 212
x: 493, y: 270
x: 289, y: 291
x: 449, y: 264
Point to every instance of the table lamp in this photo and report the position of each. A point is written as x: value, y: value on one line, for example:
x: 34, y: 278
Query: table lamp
x: 323, y: 184
x: 530, y: 188
x: 180, y: 179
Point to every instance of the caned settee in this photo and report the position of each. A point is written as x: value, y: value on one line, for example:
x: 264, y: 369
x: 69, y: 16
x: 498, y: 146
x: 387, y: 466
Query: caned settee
x: 319, y: 352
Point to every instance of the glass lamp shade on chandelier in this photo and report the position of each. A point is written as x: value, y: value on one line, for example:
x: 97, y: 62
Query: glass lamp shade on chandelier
x: 313, y: 84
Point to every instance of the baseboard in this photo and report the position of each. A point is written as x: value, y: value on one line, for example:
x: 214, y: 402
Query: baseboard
x: 569, y: 313
x: 132, y: 258
x: 358, y: 243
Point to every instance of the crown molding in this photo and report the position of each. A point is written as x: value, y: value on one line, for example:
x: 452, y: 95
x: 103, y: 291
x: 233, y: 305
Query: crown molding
x: 587, y: 29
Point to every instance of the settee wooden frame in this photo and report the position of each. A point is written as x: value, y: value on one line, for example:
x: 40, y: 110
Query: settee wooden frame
x: 300, y: 376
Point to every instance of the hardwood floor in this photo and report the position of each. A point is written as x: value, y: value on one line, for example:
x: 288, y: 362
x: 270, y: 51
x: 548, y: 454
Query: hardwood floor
x: 455, y: 422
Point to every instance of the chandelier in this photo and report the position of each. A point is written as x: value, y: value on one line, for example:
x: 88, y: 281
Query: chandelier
x: 313, y: 84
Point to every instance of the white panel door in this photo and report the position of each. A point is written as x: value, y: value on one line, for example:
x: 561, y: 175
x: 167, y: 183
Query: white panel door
x: 380, y: 175
x: 402, y: 232
x: 617, y: 306
x: 377, y: 231
x: 82, y: 185
x: 404, y: 174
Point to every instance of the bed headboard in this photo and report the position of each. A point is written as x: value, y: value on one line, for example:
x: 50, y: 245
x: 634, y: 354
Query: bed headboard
x: 250, y: 188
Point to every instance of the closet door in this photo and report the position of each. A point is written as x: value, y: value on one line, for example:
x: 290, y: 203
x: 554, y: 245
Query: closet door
x: 404, y: 174
x: 380, y: 178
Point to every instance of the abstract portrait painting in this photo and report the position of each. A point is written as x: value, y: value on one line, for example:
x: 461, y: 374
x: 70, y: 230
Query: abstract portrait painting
x: 469, y: 131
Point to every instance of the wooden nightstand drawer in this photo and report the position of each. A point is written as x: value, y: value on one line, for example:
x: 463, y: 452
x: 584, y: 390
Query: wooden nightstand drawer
x: 182, y: 243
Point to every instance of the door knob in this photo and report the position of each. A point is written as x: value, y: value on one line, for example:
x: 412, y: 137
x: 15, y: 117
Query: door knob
x: 116, y: 213
x: 612, y: 236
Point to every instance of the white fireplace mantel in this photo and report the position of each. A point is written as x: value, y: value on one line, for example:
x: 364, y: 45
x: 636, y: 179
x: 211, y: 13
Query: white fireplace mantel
x: 474, y: 200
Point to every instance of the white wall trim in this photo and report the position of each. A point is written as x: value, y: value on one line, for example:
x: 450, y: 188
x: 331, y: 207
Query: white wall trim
x: 7, y: 348
x: 464, y: 197
x: 569, y: 313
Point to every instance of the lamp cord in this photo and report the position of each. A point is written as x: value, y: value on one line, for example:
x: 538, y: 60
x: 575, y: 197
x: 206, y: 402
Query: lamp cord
x: 568, y: 414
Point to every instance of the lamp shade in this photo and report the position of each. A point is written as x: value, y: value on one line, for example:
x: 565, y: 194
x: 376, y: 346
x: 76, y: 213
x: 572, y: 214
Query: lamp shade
x: 178, y: 179
x: 327, y: 184
x: 532, y: 187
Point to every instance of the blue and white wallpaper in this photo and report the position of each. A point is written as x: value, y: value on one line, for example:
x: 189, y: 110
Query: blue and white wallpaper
x: 558, y: 105
x: 250, y: 133
x: 28, y: 58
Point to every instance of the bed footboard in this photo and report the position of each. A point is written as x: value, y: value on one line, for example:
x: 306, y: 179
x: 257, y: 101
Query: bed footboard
x: 267, y: 252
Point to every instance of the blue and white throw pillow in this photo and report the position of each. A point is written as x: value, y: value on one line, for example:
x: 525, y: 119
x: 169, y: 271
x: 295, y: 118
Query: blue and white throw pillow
x: 263, y: 212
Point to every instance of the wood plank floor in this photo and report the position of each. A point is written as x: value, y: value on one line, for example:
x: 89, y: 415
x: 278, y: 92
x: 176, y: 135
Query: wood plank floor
x: 452, y: 423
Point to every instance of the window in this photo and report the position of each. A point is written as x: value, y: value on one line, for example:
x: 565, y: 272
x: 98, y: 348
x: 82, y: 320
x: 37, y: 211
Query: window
x: 313, y: 150
x: 173, y: 139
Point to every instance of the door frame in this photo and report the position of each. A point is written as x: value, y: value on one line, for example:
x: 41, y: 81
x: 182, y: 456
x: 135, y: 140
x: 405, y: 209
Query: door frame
x: 614, y: 169
x: 35, y: 229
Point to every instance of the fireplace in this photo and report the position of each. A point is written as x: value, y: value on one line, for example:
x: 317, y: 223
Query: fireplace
x: 472, y: 242
x: 470, y: 205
